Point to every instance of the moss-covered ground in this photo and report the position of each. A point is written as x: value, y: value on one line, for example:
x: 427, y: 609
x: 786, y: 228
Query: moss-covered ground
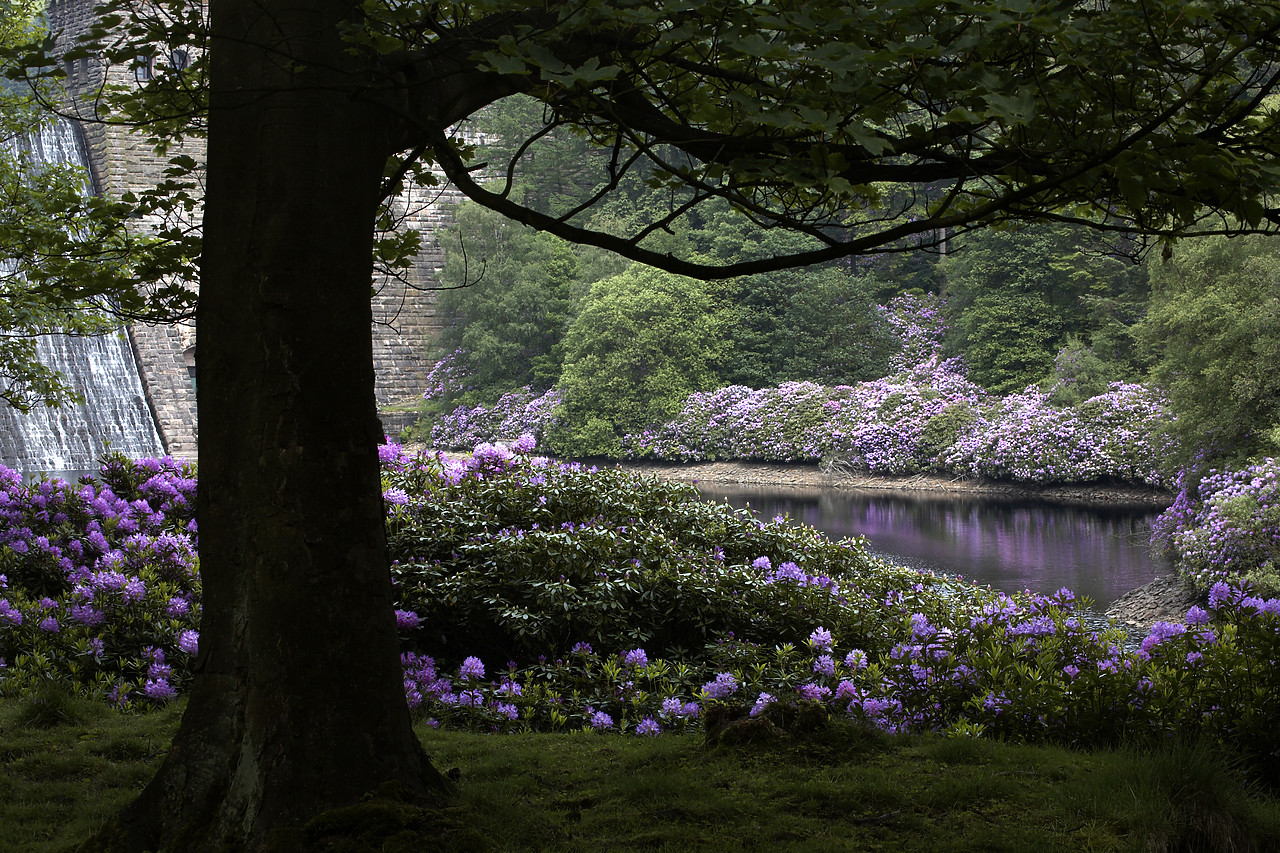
x: 66, y: 764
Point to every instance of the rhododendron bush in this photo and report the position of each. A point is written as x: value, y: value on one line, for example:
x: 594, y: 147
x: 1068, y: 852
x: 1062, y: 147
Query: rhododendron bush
x: 927, y: 416
x: 536, y: 595
x: 928, y: 419
x: 1225, y: 526
x: 99, y: 587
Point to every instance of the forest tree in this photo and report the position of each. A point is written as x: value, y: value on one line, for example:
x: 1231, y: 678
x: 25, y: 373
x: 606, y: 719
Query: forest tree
x: 863, y: 127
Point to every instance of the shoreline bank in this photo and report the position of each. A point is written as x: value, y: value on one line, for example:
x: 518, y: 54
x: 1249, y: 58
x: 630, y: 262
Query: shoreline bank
x: 806, y: 475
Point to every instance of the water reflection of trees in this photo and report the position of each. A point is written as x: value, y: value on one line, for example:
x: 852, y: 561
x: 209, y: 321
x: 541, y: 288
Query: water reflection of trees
x: 1098, y: 551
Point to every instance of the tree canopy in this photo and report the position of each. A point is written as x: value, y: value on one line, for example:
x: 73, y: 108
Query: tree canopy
x: 863, y: 127
x: 67, y: 263
x: 1214, y: 327
x: 1014, y: 298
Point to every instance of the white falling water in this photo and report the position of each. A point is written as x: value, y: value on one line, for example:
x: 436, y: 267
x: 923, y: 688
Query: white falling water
x: 115, y: 415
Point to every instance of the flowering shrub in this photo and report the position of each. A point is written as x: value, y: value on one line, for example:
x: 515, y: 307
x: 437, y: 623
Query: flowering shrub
x: 513, y: 556
x: 917, y: 320
x: 99, y: 587
x: 539, y: 596
x: 1226, y: 526
x: 514, y: 414
x: 939, y: 657
x: 447, y: 378
x: 1116, y: 435
x: 927, y: 419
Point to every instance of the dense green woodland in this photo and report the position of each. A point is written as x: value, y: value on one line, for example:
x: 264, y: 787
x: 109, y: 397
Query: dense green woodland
x: 1057, y: 306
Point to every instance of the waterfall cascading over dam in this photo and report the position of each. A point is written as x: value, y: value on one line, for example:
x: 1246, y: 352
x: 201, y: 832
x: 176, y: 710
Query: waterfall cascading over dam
x: 114, y: 415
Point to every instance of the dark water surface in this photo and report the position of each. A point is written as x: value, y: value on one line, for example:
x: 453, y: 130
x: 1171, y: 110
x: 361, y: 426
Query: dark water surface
x: 1096, y: 551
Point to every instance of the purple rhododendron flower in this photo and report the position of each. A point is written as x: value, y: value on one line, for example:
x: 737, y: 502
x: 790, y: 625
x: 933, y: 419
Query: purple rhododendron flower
x: 648, y: 726
x: 637, y: 658
x: 9, y: 613
x: 814, y: 692
x: 409, y: 620
x: 846, y: 690
x: 856, y: 659
x: 724, y: 685
x: 1160, y: 632
x: 1221, y: 595
x: 920, y: 627
x: 86, y: 615
x: 133, y: 590
x: 189, y: 641
x: 601, y: 721
x: 489, y: 454
x: 763, y: 701
x: 996, y: 703
x: 790, y: 571
x: 821, y: 639
x: 159, y: 689
x: 824, y: 665
x: 472, y: 667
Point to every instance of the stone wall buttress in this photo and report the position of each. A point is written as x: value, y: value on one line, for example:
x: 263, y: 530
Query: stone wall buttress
x: 405, y: 323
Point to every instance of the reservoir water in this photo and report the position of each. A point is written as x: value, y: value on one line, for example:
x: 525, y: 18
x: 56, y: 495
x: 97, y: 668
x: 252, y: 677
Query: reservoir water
x: 1098, y: 551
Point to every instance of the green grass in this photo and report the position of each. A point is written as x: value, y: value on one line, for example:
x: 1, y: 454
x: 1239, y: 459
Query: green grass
x: 65, y: 765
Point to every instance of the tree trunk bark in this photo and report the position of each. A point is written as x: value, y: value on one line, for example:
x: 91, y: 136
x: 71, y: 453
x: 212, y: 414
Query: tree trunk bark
x: 298, y: 704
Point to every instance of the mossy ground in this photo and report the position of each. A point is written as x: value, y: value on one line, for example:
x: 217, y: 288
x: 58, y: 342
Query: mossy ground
x: 65, y: 766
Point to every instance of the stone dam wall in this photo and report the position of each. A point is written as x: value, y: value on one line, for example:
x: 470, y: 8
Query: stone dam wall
x: 121, y: 160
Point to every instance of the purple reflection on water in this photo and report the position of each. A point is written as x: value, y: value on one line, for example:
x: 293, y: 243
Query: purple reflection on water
x: 1097, y: 551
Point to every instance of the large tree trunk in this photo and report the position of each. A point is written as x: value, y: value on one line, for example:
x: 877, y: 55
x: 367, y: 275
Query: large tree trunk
x: 298, y: 704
